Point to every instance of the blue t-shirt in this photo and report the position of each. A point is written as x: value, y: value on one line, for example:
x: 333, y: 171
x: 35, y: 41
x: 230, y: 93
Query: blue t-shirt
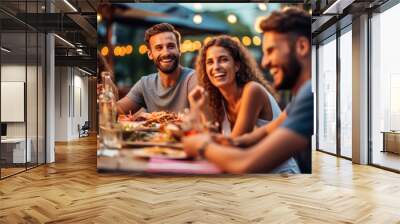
x: 300, y: 119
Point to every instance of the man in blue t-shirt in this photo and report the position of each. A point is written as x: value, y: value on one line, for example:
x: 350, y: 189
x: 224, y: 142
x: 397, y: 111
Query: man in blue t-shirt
x: 287, y: 55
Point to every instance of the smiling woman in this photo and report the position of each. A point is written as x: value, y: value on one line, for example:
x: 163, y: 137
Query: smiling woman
x: 230, y: 76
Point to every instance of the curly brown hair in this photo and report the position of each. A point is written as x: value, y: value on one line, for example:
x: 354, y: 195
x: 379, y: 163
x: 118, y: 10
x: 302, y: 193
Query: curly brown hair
x: 248, y: 71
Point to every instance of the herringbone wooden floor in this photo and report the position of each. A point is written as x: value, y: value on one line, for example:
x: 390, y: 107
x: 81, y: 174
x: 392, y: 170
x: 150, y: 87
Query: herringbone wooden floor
x: 71, y: 191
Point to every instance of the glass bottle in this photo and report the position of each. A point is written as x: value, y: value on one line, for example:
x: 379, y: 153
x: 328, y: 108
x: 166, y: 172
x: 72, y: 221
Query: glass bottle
x: 109, y: 133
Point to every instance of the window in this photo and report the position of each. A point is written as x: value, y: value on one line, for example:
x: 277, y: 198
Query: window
x: 385, y: 88
x: 327, y: 96
x: 346, y: 93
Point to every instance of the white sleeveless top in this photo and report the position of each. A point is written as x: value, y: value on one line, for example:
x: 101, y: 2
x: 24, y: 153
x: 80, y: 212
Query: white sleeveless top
x: 226, y: 126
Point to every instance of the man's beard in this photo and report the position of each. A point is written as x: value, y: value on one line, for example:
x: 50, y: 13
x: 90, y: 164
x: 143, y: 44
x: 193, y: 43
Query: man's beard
x: 167, y: 69
x: 291, y: 73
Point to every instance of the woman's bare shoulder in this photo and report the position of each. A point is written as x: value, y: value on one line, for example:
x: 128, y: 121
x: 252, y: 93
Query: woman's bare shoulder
x: 254, y: 89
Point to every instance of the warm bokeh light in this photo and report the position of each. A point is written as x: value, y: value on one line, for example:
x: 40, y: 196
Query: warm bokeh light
x: 197, y: 45
x: 191, y: 47
x: 262, y: 6
x: 257, y: 24
x: 122, y: 51
x: 206, y: 40
x: 232, y: 18
x: 197, y: 19
x: 236, y: 39
x: 142, y: 49
x: 98, y: 18
x: 129, y: 49
x: 186, y: 46
x: 246, y: 41
x: 117, y: 51
x: 104, y: 51
x: 256, y: 40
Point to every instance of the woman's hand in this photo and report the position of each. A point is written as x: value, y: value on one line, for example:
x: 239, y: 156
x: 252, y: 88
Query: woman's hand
x: 193, y: 143
x: 197, y: 98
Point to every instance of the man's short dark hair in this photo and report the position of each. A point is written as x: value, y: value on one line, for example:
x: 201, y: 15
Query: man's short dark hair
x: 288, y: 21
x: 161, y: 28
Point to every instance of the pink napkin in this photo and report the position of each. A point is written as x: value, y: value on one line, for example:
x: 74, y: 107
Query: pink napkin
x: 158, y: 165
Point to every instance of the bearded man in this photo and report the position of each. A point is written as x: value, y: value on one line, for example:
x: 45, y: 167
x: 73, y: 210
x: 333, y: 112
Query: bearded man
x: 287, y: 55
x: 166, y: 90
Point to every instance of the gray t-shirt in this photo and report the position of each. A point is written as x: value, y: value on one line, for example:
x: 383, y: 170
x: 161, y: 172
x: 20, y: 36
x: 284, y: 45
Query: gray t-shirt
x: 149, y: 92
x: 300, y: 118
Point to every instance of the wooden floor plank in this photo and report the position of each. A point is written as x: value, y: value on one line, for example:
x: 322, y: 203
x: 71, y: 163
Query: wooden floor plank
x: 71, y: 191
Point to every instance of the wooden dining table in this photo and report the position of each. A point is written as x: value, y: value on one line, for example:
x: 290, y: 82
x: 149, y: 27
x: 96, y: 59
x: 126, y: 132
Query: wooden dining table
x: 124, y: 160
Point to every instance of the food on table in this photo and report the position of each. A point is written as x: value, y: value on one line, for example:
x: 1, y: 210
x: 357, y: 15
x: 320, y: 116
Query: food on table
x: 173, y: 130
x: 160, y: 117
x: 152, y: 121
x: 130, y: 126
x: 156, y: 127
x: 157, y: 137
x: 141, y: 136
x: 160, y: 152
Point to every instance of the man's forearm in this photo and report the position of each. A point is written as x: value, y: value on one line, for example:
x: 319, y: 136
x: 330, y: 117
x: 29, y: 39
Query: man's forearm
x: 227, y: 158
x: 120, y: 110
x: 125, y: 105
x: 260, y: 133
x: 250, y: 138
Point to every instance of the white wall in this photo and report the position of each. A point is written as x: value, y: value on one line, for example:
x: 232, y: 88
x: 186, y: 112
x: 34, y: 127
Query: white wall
x: 71, y: 94
x: 12, y: 73
x: 61, y: 103
x: 34, y: 125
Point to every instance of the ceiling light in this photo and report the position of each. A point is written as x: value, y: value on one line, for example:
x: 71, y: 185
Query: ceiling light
x: 338, y: 6
x: 79, y: 51
x: 65, y: 41
x: 84, y: 71
x: 5, y: 49
x: 70, y: 5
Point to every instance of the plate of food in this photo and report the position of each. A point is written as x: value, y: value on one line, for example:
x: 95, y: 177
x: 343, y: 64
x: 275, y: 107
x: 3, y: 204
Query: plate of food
x: 147, y: 136
x: 159, y: 152
x: 154, y: 119
x: 131, y: 126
